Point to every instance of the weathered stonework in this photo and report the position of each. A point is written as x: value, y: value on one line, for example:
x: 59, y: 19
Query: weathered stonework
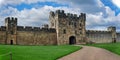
x: 70, y: 28
x: 63, y: 29
x: 20, y: 35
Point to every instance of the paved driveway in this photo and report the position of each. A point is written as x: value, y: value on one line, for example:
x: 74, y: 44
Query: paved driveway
x: 91, y: 53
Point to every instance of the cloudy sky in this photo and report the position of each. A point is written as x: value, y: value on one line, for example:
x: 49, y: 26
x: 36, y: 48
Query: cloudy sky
x: 100, y: 13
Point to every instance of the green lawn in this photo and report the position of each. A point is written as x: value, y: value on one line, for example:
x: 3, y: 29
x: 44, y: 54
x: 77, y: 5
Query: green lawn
x: 113, y: 47
x: 36, y: 52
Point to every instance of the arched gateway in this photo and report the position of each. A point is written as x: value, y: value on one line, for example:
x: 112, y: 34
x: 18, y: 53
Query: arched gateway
x: 72, y: 40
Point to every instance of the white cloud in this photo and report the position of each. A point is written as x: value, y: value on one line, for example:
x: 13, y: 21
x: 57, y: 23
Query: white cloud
x: 101, y: 19
x: 17, y: 2
x: 1, y: 1
x: 34, y: 16
x: 116, y: 2
x: 98, y: 22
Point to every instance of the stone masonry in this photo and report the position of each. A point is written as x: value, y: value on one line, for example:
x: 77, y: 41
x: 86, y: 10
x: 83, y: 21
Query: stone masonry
x: 70, y: 28
x: 64, y: 28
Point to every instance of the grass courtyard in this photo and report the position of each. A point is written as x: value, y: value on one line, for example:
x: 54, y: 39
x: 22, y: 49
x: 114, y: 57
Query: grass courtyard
x: 35, y: 52
x: 113, y: 47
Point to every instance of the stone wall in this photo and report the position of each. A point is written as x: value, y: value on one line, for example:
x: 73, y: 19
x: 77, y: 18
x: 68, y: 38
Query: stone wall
x: 99, y: 36
x: 118, y: 37
x: 29, y: 36
x: 36, y: 38
x: 2, y: 37
x: 2, y: 34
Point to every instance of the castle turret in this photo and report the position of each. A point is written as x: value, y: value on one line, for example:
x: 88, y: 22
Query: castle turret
x: 83, y: 17
x: 113, y: 32
x: 11, y: 30
x: 52, y: 20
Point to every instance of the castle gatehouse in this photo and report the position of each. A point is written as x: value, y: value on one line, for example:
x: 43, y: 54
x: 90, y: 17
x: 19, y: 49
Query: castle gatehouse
x: 64, y: 28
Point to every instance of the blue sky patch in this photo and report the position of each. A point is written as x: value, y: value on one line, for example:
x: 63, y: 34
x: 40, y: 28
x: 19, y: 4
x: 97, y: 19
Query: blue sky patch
x: 110, y: 4
x: 37, y: 5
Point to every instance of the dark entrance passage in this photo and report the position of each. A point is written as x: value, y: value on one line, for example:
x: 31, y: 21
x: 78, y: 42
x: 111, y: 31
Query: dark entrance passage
x: 11, y: 42
x: 72, y: 40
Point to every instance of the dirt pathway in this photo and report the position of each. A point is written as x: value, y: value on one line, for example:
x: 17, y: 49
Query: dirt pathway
x: 91, y: 53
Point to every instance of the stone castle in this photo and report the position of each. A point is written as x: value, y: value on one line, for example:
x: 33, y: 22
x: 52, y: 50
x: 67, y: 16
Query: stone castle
x: 63, y: 29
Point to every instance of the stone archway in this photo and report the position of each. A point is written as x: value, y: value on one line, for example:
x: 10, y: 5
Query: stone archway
x: 72, y: 40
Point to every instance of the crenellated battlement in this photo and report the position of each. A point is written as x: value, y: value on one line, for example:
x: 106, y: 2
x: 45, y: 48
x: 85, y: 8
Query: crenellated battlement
x: 2, y: 28
x: 30, y: 28
x: 20, y: 28
x: 111, y: 28
x: 118, y: 33
x: 36, y: 28
x: 97, y: 31
x: 10, y: 19
x: 61, y: 14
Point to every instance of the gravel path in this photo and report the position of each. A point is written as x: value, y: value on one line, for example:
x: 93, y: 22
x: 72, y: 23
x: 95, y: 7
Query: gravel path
x: 91, y: 53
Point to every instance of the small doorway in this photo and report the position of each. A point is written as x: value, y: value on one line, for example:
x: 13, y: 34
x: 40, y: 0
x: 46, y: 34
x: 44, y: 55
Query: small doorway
x: 114, y: 40
x: 11, y: 42
x: 72, y: 40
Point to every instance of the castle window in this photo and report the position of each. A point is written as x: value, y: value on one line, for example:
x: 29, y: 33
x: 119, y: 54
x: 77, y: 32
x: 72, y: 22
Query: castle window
x: 12, y: 32
x: 80, y: 32
x: 80, y: 28
x: 70, y: 23
x: 75, y: 32
x: 80, y: 25
x: 75, y: 25
x: 64, y: 31
x: 52, y: 24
